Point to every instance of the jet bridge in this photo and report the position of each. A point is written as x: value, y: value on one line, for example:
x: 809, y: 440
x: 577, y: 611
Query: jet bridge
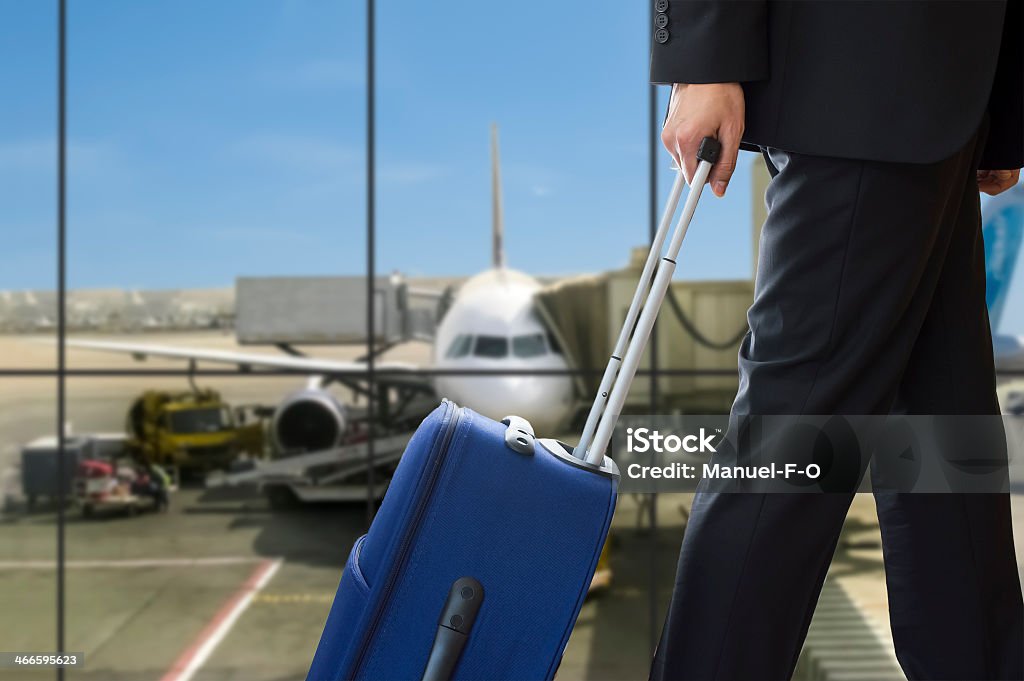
x: 699, y: 330
x: 331, y: 310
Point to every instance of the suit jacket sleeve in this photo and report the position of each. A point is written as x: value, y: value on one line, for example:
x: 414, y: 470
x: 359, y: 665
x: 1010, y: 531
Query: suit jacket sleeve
x: 709, y: 41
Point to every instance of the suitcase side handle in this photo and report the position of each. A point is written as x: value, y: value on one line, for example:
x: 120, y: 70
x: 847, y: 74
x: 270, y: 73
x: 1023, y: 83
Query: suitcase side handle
x: 453, y: 628
x: 643, y: 310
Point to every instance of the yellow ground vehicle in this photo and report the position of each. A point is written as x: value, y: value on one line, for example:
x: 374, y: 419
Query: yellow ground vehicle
x: 193, y: 430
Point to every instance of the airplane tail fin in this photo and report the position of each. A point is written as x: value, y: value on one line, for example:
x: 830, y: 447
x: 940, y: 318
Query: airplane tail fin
x: 497, y: 211
x: 1003, y: 230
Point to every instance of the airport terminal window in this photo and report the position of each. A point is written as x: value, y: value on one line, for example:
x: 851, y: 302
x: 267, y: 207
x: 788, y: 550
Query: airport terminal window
x: 493, y: 347
x: 529, y: 345
x: 223, y: 538
x: 460, y: 346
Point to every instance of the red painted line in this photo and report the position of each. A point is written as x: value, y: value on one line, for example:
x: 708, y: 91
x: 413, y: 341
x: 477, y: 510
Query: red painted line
x: 193, y: 657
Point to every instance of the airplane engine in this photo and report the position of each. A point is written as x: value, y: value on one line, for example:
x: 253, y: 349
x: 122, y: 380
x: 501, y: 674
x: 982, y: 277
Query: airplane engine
x: 307, y: 421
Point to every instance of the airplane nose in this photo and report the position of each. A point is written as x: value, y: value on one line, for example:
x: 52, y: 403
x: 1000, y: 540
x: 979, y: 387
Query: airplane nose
x: 544, y: 401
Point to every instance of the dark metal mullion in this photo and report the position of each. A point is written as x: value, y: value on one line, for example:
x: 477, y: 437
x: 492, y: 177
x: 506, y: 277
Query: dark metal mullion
x: 652, y: 218
x: 113, y: 372
x: 371, y: 264
x: 61, y: 295
x: 417, y: 373
x: 126, y: 373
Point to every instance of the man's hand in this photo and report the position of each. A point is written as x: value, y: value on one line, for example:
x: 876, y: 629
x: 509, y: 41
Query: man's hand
x: 994, y: 182
x: 697, y: 111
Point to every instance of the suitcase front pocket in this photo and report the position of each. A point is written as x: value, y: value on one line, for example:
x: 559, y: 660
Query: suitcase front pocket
x: 352, y: 567
x: 348, y: 611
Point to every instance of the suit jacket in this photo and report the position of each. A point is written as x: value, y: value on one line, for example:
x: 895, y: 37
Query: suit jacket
x: 886, y: 80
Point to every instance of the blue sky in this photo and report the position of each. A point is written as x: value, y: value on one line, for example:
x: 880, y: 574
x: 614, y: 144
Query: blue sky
x: 210, y: 140
x: 215, y: 139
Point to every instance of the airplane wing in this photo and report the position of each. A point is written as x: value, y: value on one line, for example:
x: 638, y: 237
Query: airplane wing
x: 248, y: 360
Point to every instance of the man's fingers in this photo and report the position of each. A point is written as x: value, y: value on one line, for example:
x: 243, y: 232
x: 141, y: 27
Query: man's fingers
x: 670, y: 140
x: 994, y: 182
x: 689, y: 165
x: 993, y: 187
x: 721, y: 173
x: 689, y: 142
x: 682, y: 143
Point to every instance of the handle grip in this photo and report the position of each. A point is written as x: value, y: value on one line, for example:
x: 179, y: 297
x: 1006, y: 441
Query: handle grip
x: 709, y: 150
x: 622, y: 366
x: 453, y: 628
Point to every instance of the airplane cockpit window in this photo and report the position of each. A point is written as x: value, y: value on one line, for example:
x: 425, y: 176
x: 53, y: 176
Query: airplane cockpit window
x: 493, y: 347
x: 529, y: 345
x: 460, y: 346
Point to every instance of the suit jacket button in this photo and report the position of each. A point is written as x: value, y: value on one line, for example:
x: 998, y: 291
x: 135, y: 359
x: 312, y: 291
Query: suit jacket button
x: 661, y: 21
x: 661, y: 35
x: 661, y: 5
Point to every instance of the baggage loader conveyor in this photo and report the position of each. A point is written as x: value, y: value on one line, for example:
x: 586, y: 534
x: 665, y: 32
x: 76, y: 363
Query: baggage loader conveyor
x: 339, y: 474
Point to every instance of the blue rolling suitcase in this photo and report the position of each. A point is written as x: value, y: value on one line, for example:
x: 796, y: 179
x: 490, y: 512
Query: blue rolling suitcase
x: 483, y: 549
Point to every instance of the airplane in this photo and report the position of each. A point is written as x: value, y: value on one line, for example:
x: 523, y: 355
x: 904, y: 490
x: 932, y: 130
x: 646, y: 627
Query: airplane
x: 492, y: 326
x: 1003, y: 231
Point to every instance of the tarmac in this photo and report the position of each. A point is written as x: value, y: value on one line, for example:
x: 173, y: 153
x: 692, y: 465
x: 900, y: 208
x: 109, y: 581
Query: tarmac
x: 223, y: 588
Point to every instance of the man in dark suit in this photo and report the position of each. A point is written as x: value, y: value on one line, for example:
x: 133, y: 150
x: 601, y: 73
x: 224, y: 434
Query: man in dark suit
x: 879, y: 122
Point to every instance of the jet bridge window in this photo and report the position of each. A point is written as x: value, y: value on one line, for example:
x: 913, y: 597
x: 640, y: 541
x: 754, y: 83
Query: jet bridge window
x: 460, y: 347
x: 492, y: 347
x: 529, y: 345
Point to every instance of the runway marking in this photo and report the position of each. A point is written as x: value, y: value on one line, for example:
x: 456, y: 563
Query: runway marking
x: 130, y: 563
x: 196, y: 654
x: 288, y: 598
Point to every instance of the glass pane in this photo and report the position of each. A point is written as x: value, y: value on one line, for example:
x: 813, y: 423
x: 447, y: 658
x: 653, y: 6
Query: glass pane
x: 212, y: 146
x: 557, y: 252
x: 226, y: 197
x: 151, y: 587
x: 28, y: 184
x: 568, y: 154
x: 28, y: 516
x: 570, y: 159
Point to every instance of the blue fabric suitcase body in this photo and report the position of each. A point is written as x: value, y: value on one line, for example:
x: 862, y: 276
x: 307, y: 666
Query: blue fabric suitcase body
x: 527, y: 525
x: 478, y: 561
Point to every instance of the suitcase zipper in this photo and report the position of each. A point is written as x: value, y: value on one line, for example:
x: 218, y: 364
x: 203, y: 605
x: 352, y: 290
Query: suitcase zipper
x: 436, y: 461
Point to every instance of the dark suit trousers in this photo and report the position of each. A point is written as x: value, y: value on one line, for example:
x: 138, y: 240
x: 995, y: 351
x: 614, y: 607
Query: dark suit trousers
x: 870, y: 299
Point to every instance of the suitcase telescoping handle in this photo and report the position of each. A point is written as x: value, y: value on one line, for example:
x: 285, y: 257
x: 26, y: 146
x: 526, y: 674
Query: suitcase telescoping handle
x: 622, y: 366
